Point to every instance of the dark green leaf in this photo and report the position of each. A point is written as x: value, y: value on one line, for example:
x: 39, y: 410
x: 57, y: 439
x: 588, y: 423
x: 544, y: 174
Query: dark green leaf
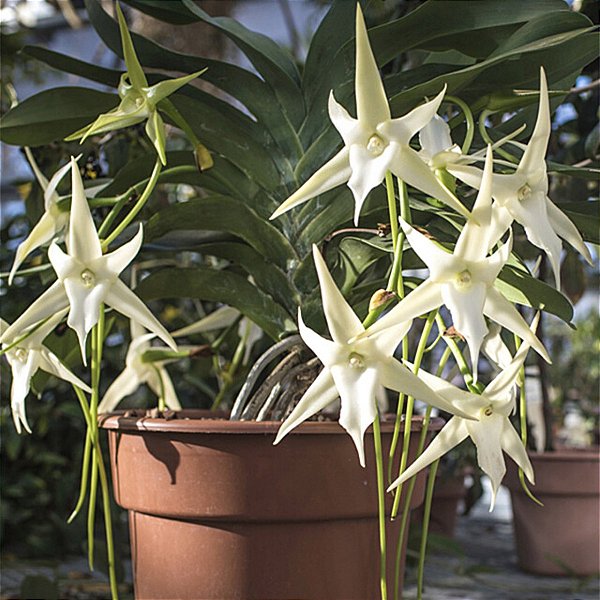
x: 53, y: 114
x: 208, y: 284
x: 172, y: 11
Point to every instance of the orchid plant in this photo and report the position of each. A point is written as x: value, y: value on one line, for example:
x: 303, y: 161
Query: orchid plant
x: 272, y: 248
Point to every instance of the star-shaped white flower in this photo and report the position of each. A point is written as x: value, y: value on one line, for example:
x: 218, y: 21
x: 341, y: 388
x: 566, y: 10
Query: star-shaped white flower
x: 52, y: 223
x: 355, y: 372
x: 437, y: 147
x: 87, y: 278
x: 25, y: 358
x: 137, y: 372
x: 492, y: 433
x: 374, y: 142
x: 523, y: 195
x: 464, y: 280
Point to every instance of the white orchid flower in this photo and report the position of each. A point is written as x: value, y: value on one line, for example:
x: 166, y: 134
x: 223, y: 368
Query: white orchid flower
x: 464, y: 280
x: 492, y: 433
x: 356, y: 372
x: 137, y: 372
x: 374, y: 142
x: 523, y: 195
x: 25, y: 358
x: 52, y: 223
x: 87, y: 278
x: 437, y: 147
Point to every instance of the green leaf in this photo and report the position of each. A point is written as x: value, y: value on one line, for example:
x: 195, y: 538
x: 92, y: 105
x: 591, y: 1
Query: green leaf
x: 172, y: 11
x: 53, y: 114
x: 208, y: 284
x: 518, y: 286
x: 586, y: 216
x: 222, y: 214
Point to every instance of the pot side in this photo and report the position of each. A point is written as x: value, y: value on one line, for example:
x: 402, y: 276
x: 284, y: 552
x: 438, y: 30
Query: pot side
x: 215, y: 500
x: 562, y: 537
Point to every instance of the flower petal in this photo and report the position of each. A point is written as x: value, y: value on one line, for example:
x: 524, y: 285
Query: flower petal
x: 321, y: 392
x: 498, y: 308
x: 50, y: 363
x: 371, y: 101
x: 126, y: 383
x: 327, y: 351
x: 435, y: 137
x: 122, y: 299
x: 218, y: 319
x: 452, y: 434
x: 358, y: 388
x: 330, y: 175
x: 116, y: 261
x: 82, y: 241
x: 565, y: 228
x: 341, y: 319
x: 134, y: 69
x: 155, y: 130
x: 513, y: 446
x: 22, y: 372
x: 165, y: 88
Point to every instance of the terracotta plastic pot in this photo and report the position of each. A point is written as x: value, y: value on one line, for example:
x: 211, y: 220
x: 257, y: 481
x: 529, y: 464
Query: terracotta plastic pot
x: 217, y: 512
x: 560, y: 538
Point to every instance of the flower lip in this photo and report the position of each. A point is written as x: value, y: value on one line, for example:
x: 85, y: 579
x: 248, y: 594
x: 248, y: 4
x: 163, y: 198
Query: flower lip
x: 88, y: 278
x: 464, y: 279
x: 356, y: 361
x: 21, y: 354
x: 376, y: 145
x: 524, y: 192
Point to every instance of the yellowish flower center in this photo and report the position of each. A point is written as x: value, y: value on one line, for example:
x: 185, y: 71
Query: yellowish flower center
x: 524, y: 192
x: 356, y: 361
x: 88, y: 278
x: 489, y: 411
x: 376, y: 145
x: 463, y: 279
x: 21, y: 354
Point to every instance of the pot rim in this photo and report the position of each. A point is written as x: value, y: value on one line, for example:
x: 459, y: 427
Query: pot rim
x: 205, y: 421
x: 567, y: 454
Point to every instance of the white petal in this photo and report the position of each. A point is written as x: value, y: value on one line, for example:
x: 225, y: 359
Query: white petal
x: 82, y: 241
x: 494, y: 347
x: 219, y: 319
x: 50, y: 363
x: 565, y: 228
x: 404, y: 128
x: 118, y: 259
x: 466, y: 308
x: 171, y: 399
x: 350, y: 129
x: 486, y: 434
x: 22, y: 373
x: 435, y: 136
x: 52, y: 301
x: 42, y: 233
x: 408, y: 166
x: 452, y: 434
x: 386, y: 340
x: 442, y: 265
x: 341, y: 319
x: 327, y: 351
x: 473, y: 242
x: 330, y: 175
x: 64, y: 264
x: 498, y: 308
x: 321, y: 392
x: 122, y: 299
x: 395, y: 376
x: 358, y: 389
x: 50, y: 195
x: 371, y: 101
x: 513, y: 446
x: 533, y: 157
x: 126, y: 383
x: 487, y: 270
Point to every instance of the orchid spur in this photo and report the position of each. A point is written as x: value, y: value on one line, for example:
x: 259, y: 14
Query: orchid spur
x: 138, y: 100
x: 491, y: 432
x: 464, y: 280
x: 87, y: 278
x: 523, y: 195
x: 356, y: 372
x: 374, y: 142
x: 26, y: 354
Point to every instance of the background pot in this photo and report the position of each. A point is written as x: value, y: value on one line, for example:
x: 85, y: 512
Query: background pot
x: 217, y: 512
x: 560, y: 538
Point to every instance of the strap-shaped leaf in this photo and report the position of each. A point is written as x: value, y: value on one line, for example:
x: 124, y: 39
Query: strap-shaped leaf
x: 222, y: 213
x: 208, y: 284
x: 53, y: 114
x: 172, y: 11
x: 518, y: 286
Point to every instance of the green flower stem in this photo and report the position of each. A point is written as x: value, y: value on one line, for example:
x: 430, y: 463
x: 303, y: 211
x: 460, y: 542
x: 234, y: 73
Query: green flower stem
x: 464, y: 107
x: 162, y: 403
x: 488, y: 140
x: 135, y: 209
x: 425, y: 531
x: 381, y: 506
x: 523, y: 426
x: 392, y: 209
x: 409, y: 407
